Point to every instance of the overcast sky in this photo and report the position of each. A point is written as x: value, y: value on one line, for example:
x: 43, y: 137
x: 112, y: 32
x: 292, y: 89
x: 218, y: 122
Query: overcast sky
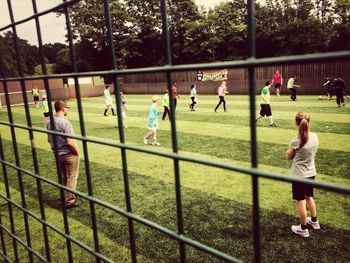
x: 52, y: 27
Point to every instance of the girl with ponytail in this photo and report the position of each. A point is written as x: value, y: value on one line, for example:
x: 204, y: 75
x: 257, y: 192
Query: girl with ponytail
x: 302, y: 150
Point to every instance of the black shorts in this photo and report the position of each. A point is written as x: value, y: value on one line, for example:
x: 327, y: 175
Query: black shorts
x: 302, y: 190
x: 36, y: 98
x: 265, y: 110
x: 277, y: 85
x: 46, y: 114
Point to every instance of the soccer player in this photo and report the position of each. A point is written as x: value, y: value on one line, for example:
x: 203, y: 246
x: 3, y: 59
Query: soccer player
x: 165, y: 104
x: 278, y: 80
x: 45, y: 107
x: 108, y: 101
x: 292, y: 88
x: 329, y: 86
x: 193, y: 94
x: 175, y: 95
x: 222, y: 91
x: 68, y: 152
x: 35, y: 93
x: 152, y: 123
x: 123, y: 108
x: 339, y: 87
x: 302, y: 150
x: 265, y: 104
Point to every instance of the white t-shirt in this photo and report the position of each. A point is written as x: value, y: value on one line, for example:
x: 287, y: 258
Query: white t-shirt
x: 108, y: 98
x: 304, y: 159
x: 193, y: 92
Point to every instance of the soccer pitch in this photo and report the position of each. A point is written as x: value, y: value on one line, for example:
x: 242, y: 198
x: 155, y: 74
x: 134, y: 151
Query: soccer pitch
x: 217, y: 204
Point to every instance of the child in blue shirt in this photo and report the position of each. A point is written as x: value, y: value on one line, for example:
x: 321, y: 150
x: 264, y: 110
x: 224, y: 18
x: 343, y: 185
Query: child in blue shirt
x: 152, y: 123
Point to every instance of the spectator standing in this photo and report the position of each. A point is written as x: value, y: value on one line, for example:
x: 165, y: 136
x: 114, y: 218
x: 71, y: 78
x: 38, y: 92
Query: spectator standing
x: 302, y: 150
x: 67, y: 150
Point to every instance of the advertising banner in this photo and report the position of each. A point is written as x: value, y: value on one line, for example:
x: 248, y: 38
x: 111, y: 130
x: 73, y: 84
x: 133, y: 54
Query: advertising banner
x: 214, y: 75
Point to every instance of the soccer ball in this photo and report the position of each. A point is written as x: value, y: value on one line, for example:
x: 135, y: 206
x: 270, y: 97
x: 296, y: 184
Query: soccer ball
x: 320, y: 97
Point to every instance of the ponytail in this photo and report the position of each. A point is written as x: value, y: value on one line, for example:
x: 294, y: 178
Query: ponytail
x: 302, y: 120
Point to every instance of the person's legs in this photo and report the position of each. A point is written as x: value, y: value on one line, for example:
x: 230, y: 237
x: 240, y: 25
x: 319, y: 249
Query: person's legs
x: 72, y: 171
x: 338, y: 93
x: 164, y: 113
x: 220, y: 101
x: 311, y: 205
x: 270, y: 120
x: 224, y: 102
x: 301, y: 206
x: 175, y: 103
x: 193, y: 103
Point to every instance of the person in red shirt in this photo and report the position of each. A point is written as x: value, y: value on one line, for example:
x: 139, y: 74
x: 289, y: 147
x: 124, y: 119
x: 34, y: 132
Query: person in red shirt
x: 278, y: 80
x: 175, y: 95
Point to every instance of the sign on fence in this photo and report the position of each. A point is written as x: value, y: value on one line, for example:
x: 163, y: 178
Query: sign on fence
x: 217, y: 75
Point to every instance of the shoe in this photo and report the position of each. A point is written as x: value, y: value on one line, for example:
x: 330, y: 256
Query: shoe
x: 114, y: 114
x: 215, y: 111
x: 273, y: 125
x: 105, y: 115
x: 145, y: 141
x: 155, y: 143
x: 343, y: 104
x: 125, y: 126
x: 339, y: 105
x: 297, y: 230
x: 225, y: 110
x: 76, y: 203
x: 315, y: 225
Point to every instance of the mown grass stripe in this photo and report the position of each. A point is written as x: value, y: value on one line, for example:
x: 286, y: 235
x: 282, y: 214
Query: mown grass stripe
x: 220, y: 130
x: 225, y: 220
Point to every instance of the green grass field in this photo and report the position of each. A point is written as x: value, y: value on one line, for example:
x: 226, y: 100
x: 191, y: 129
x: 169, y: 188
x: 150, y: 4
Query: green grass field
x: 217, y: 204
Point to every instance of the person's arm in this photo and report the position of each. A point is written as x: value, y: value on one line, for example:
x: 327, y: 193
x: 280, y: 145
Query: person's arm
x: 281, y: 80
x: 290, y: 153
x: 72, y: 146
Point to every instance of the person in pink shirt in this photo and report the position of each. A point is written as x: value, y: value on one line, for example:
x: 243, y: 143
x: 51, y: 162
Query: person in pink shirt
x: 222, y: 91
x: 278, y: 80
x: 175, y: 95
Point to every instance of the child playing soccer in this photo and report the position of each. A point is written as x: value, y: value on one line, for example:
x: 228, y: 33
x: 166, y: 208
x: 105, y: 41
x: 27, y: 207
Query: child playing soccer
x: 123, y: 107
x: 165, y: 104
x: 108, y: 101
x: 193, y: 94
x: 45, y: 107
x: 265, y: 104
x: 152, y: 123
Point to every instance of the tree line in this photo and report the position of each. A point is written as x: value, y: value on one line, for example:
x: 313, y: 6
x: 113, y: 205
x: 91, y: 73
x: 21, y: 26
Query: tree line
x: 283, y: 27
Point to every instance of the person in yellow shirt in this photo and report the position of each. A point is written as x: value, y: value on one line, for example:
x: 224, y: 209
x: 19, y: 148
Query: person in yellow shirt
x: 35, y: 93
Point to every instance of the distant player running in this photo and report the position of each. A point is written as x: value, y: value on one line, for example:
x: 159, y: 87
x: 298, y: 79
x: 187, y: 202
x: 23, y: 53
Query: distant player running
x: 108, y: 101
x: 339, y: 87
x: 278, y: 80
x: 265, y: 104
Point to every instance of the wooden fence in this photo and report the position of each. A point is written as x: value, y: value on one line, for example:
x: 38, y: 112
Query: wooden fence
x: 310, y: 76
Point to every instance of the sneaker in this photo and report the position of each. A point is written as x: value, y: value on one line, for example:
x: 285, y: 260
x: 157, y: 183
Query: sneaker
x: 155, y: 143
x: 339, y: 105
x: 273, y: 125
x: 343, y: 104
x: 315, y: 225
x: 76, y: 203
x: 297, y: 230
x: 145, y: 141
x: 215, y: 111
